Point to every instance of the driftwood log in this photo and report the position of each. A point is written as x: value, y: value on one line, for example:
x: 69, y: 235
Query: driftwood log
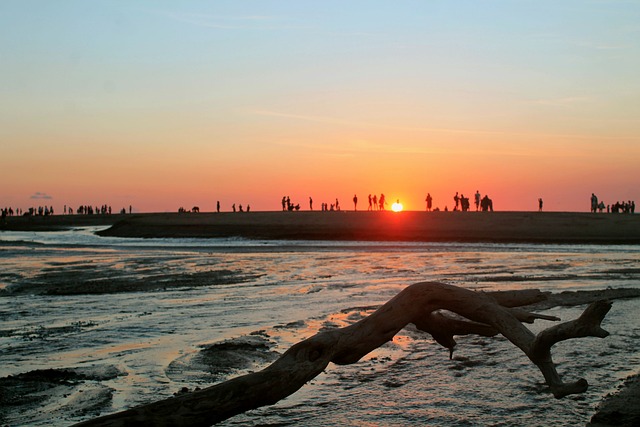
x: 425, y: 304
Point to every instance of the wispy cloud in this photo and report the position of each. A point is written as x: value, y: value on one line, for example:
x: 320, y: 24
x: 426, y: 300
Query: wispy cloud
x: 566, y: 101
x: 337, y: 121
x: 383, y: 126
x: 437, y: 130
x: 247, y: 22
x: 355, y: 147
x: 601, y: 46
x: 41, y: 196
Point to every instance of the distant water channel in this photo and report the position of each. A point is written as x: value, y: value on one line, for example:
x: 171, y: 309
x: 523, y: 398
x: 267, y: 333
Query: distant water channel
x: 141, y: 319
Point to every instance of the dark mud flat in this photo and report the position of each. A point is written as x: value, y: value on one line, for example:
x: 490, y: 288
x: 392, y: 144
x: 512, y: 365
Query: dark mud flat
x: 620, y: 409
x: 535, y: 227
x: 58, y: 222
x: 83, y: 282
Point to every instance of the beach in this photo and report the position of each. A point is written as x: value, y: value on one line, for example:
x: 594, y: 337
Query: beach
x: 94, y: 324
x: 533, y: 227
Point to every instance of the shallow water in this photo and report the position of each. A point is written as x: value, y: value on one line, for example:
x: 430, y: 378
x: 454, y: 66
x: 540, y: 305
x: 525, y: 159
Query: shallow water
x: 153, y: 312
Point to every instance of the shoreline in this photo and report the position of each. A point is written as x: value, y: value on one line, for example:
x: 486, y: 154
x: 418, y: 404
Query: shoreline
x: 419, y: 226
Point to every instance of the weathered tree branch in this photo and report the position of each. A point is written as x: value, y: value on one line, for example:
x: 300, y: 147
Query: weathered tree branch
x: 485, y: 314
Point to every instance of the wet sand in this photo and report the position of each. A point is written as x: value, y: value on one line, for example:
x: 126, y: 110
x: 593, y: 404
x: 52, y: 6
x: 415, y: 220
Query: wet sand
x: 535, y: 227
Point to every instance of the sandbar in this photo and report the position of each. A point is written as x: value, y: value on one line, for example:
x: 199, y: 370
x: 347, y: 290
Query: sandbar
x: 499, y: 227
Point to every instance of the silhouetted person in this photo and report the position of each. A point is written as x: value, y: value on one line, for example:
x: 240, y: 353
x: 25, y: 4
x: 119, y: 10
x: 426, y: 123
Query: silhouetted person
x: 382, y: 202
x: 429, y: 200
x: 594, y: 203
x: 456, y: 199
x: 464, y: 203
x: 218, y: 206
x: 375, y: 201
x: 540, y: 204
x: 370, y: 206
x: 355, y: 202
x: 310, y: 203
x: 284, y: 203
x: 477, y: 199
x: 233, y: 207
x: 486, y: 204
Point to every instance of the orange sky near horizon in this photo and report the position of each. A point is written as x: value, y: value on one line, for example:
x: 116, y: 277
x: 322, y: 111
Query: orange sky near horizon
x: 160, y: 105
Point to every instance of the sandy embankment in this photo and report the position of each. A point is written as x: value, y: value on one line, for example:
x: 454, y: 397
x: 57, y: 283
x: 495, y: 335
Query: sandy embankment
x: 542, y: 227
x: 404, y: 226
x: 57, y: 222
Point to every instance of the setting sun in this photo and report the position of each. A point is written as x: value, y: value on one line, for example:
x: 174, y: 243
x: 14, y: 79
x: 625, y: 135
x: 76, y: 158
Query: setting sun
x: 397, y: 206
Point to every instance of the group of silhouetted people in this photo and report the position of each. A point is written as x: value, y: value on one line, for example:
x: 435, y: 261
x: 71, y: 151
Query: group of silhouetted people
x: 377, y: 203
x: 89, y: 210
x: 10, y: 212
x: 39, y: 211
x: 234, y: 208
x: 68, y: 210
x: 462, y: 203
x: 330, y: 207
x: 240, y: 208
x: 287, y: 205
x: 623, y: 207
x: 617, y: 207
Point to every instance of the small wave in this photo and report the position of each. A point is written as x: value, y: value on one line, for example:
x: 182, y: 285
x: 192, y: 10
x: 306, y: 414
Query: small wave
x: 518, y: 278
x: 46, y: 394
x: 41, y: 332
x: 17, y: 243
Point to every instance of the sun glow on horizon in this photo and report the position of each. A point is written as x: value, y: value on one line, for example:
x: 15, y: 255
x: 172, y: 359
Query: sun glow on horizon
x: 396, y: 207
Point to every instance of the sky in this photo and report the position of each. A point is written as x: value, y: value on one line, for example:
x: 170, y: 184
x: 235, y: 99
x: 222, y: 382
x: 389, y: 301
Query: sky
x: 164, y: 104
